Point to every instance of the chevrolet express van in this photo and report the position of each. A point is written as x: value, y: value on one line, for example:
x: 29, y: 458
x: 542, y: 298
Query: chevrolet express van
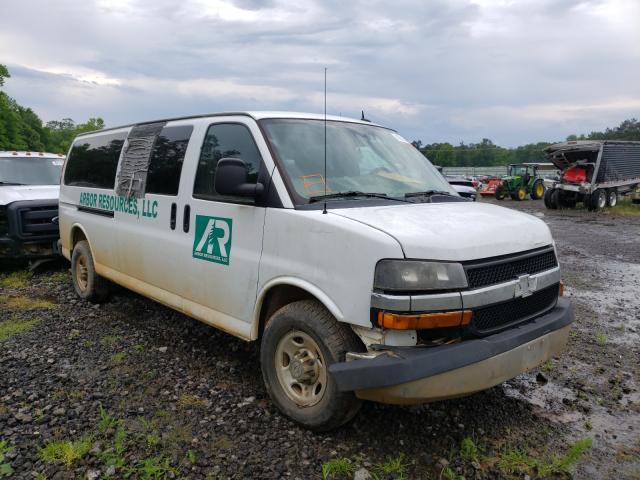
x: 370, y: 278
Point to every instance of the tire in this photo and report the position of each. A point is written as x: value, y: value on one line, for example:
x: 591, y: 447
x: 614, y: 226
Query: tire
x: 555, y: 199
x: 291, y: 334
x: 547, y: 199
x: 635, y: 201
x: 598, y: 200
x: 87, y: 283
x: 612, y: 198
x: 538, y: 190
x: 521, y: 193
x: 500, y: 193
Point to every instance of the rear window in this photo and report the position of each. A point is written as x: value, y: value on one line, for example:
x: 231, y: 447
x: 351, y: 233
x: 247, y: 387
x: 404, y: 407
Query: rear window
x: 93, y: 161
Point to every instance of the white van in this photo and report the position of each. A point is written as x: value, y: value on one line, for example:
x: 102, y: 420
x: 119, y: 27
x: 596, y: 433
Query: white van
x: 379, y: 283
x: 29, y: 187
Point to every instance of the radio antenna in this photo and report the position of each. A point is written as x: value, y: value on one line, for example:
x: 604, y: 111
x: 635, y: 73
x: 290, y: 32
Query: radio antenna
x: 325, y: 141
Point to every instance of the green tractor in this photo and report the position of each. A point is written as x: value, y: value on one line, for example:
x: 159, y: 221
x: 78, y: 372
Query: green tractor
x: 522, y: 180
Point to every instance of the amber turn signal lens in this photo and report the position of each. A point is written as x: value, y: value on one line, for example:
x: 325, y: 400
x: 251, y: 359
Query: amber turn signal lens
x: 561, y: 288
x: 422, y: 321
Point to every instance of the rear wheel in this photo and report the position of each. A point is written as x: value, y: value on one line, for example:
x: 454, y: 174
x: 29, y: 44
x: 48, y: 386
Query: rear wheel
x: 300, y: 342
x: 597, y: 200
x: 521, y: 193
x: 87, y: 283
x: 547, y: 199
x: 538, y: 190
x: 612, y: 198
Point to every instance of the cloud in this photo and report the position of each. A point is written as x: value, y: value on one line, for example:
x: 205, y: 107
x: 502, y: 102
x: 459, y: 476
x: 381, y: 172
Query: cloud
x: 513, y: 71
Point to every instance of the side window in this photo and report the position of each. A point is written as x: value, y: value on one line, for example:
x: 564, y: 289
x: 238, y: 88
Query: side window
x: 225, y: 140
x: 167, y: 156
x: 93, y: 161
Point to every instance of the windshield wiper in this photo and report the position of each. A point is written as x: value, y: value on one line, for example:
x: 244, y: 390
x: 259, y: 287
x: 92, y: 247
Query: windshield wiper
x: 353, y: 193
x: 10, y: 183
x: 427, y: 193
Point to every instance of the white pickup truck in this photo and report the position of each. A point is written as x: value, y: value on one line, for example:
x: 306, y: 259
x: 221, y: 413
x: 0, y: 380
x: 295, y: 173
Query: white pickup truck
x: 29, y: 188
x: 365, y: 278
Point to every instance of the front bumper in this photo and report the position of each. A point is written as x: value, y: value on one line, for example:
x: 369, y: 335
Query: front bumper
x: 11, y: 248
x: 406, y: 375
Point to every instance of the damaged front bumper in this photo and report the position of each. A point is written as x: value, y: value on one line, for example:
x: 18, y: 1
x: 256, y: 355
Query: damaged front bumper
x: 11, y: 248
x: 409, y: 375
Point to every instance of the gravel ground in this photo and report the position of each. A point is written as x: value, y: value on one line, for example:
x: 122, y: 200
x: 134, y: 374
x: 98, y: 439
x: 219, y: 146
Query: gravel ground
x: 144, y: 392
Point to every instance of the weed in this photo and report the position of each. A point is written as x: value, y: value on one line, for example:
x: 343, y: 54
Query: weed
x: 59, y: 277
x: 14, y: 326
x: 40, y: 476
x: 5, y: 468
x: 118, y: 357
x: 562, y: 464
x: 66, y: 453
x: 109, y: 340
x: 26, y: 304
x: 396, y: 467
x: 15, y: 279
x: 152, y: 439
x: 336, y: 468
x: 448, y: 473
x: 469, y: 450
x: 223, y: 443
x: 548, y: 366
x: 190, y: 401
x: 139, y: 348
x: 191, y: 457
x: 515, y: 462
x: 106, y: 421
x: 601, y: 338
x: 114, y: 457
x: 156, y: 468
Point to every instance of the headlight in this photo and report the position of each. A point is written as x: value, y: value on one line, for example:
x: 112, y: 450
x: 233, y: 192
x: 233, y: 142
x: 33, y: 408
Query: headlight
x: 408, y: 275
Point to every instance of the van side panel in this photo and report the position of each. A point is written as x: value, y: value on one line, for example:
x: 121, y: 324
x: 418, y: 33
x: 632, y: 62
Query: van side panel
x: 312, y: 247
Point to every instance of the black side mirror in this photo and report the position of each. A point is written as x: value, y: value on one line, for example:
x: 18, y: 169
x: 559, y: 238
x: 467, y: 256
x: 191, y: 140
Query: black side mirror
x: 231, y: 179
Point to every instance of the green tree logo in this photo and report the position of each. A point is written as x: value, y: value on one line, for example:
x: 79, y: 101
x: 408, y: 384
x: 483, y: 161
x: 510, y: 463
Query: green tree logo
x: 212, y: 241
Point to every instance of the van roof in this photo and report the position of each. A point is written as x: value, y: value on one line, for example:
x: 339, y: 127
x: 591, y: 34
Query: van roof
x: 24, y: 154
x: 256, y: 115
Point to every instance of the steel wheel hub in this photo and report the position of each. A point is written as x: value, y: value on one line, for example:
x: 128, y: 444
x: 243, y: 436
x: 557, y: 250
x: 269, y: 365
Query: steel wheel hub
x: 300, y: 368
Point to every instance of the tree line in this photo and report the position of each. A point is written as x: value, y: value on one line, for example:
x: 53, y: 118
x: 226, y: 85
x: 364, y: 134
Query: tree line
x: 22, y: 129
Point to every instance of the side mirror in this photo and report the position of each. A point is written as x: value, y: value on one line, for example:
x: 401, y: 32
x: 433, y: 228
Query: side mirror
x: 231, y: 179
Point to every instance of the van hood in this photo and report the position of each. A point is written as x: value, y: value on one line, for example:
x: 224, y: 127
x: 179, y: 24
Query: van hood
x: 455, y: 231
x: 15, y: 193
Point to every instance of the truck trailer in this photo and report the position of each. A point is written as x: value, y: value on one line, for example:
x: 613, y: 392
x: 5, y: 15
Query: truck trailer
x: 594, y: 172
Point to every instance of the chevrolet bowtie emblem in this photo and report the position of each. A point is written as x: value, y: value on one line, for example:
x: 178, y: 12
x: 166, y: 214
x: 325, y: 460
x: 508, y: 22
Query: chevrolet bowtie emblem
x: 525, y: 286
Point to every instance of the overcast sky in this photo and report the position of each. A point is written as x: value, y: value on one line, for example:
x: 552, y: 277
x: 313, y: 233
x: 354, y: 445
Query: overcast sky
x: 437, y: 70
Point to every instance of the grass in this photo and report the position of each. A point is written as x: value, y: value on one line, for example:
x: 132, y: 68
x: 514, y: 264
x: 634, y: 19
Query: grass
x: 601, y: 339
x: 514, y: 462
x: 16, y: 279
x: 108, y: 340
x: 190, y: 401
x: 624, y: 207
x: 25, y: 303
x: 469, y: 450
x: 156, y: 468
x: 5, y: 467
x: 14, y: 326
x: 60, y: 277
x: 394, y: 467
x: 118, y: 357
x: 448, y: 473
x: 66, y: 452
x: 337, y: 468
x: 106, y: 422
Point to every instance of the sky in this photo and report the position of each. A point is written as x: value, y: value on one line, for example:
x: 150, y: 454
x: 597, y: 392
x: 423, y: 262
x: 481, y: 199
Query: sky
x: 513, y: 71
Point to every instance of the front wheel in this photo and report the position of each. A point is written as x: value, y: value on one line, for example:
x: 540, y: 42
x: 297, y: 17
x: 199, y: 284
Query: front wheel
x: 299, y: 343
x: 521, y: 193
x: 87, y: 283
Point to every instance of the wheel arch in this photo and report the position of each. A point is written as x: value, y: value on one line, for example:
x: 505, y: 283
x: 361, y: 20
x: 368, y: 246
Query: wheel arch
x: 284, y: 290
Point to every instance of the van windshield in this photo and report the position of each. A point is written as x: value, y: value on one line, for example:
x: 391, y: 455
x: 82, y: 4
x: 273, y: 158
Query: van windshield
x: 360, y: 158
x: 30, y: 170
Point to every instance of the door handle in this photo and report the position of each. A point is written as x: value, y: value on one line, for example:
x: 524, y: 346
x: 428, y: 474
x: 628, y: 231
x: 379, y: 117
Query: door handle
x: 172, y: 221
x: 185, y: 218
